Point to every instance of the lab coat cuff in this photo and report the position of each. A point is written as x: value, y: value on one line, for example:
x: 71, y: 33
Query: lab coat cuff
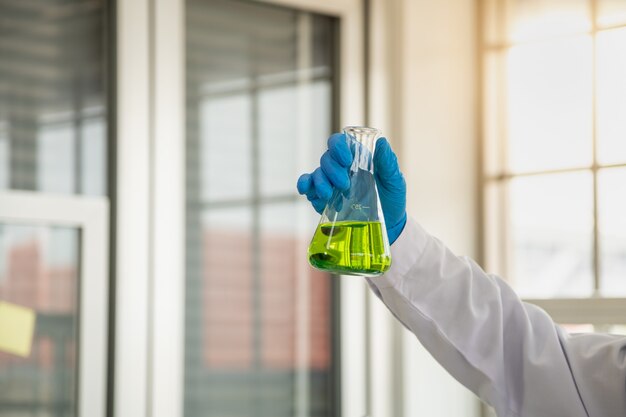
x: 406, y: 251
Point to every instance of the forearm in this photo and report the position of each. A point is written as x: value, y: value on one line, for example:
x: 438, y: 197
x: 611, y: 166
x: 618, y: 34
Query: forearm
x: 503, y: 350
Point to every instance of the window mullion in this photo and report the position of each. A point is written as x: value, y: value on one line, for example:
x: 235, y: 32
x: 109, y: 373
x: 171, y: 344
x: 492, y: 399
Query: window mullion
x: 256, y: 272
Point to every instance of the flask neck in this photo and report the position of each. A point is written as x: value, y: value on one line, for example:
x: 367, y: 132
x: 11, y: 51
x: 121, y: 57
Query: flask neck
x: 363, y: 143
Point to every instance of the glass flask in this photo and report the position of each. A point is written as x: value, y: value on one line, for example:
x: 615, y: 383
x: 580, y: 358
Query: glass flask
x: 351, y: 237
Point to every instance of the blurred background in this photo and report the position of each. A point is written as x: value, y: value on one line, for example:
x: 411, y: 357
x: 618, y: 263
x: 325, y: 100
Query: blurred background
x: 149, y: 151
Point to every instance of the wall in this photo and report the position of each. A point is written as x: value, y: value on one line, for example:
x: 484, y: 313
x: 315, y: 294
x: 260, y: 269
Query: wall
x: 423, y: 93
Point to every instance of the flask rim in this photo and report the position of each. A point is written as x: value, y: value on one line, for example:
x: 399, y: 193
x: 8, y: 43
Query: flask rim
x: 363, y: 130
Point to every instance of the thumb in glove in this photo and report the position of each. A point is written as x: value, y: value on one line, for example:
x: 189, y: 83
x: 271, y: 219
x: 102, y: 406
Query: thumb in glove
x: 391, y: 188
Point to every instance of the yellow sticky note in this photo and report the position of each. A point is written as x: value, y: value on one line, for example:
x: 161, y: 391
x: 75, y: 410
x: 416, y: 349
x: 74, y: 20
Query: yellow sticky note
x: 16, y: 329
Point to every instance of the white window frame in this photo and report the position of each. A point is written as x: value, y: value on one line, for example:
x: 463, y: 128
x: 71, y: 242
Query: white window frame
x: 596, y: 310
x: 89, y: 215
x: 150, y: 276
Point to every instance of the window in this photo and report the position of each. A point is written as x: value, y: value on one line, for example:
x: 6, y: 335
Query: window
x: 52, y: 97
x: 39, y: 271
x: 53, y: 204
x: 555, y: 155
x: 258, y: 321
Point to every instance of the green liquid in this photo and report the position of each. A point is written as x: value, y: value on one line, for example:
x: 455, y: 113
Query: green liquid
x: 350, y: 247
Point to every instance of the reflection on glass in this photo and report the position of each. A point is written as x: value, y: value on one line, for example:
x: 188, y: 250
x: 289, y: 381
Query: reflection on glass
x: 259, y: 105
x: 549, y: 103
x: 551, y: 235
x: 611, y: 12
x: 39, y: 270
x: 612, y: 228
x: 611, y: 96
x: 52, y: 65
x: 533, y: 19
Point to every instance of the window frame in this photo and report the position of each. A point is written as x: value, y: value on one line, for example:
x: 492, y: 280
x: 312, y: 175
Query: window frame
x: 596, y: 309
x: 90, y: 216
x: 150, y: 205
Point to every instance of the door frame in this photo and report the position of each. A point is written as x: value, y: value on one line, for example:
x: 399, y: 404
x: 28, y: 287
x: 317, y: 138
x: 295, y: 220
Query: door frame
x: 90, y: 215
x: 150, y: 276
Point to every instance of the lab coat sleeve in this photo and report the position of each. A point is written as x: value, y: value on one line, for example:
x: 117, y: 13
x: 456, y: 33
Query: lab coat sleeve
x: 509, y: 353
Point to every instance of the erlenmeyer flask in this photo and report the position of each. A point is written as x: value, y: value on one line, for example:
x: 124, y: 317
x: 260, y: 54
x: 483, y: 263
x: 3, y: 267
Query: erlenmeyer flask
x: 351, y: 237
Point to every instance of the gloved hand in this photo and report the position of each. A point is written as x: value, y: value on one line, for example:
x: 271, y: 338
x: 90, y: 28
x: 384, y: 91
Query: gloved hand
x: 333, y: 173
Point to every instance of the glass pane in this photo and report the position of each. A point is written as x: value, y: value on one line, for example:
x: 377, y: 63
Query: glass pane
x: 220, y: 333
x: 278, y: 135
x: 295, y: 311
x: 612, y: 228
x: 617, y: 329
x: 259, y: 109
x: 536, y: 19
x: 578, y: 328
x: 611, y: 12
x: 302, y: 139
x: 611, y: 96
x: 52, y: 90
x: 550, y: 105
x: 551, y: 235
x: 39, y: 271
x: 225, y: 146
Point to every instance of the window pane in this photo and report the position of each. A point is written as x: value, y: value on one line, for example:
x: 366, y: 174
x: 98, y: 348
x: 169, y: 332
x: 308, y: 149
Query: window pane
x: 295, y: 311
x: 611, y: 96
x: 578, y: 328
x: 39, y: 271
x: 618, y: 329
x: 278, y: 136
x: 551, y: 235
x: 52, y: 90
x: 612, y: 227
x: 611, y: 12
x: 535, y: 19
x: 299, y: 141
x: 219, y: 353
x: 259, y: 109
x: 225, y: 146
x: 549, y: 105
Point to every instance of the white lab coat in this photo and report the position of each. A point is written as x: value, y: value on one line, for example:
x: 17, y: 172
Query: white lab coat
x: 509, y: 353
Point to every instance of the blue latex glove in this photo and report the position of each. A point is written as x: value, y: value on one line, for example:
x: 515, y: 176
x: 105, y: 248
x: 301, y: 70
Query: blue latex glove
x: 333, y: 173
